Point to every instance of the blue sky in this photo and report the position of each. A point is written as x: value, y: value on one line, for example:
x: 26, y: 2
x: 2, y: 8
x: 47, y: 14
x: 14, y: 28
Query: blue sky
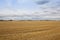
x: 30, y: 9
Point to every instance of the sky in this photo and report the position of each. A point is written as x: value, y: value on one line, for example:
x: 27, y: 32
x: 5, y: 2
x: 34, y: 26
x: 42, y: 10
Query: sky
x: 30, y: 9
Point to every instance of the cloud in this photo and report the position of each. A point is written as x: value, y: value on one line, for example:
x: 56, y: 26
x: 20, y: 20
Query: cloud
x: 41, y: 2
x: 14, y: 12
x: 48, y: 9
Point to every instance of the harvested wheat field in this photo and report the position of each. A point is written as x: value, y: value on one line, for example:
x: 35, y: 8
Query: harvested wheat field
x: 29, y: 30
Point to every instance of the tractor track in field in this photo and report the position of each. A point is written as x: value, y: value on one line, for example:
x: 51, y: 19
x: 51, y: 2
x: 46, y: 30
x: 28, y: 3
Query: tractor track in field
x: 29, y: 31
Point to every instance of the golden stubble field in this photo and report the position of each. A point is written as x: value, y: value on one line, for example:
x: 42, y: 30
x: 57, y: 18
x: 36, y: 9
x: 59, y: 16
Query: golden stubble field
x: 29, y: 30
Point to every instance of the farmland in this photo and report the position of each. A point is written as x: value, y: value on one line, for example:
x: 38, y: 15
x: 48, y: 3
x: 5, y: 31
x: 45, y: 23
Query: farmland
x: 29, y: 30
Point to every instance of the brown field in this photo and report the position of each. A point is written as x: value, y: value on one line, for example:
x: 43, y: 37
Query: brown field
x: 29, y: 30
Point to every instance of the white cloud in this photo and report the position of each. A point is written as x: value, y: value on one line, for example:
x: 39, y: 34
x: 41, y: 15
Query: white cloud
x: 28, y: 14
x: 12, y: 12
x: 46, y: 11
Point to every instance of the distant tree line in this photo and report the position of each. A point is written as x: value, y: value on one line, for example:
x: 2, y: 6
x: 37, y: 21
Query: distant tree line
x: 6, y: 20
x: 29, y: 20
